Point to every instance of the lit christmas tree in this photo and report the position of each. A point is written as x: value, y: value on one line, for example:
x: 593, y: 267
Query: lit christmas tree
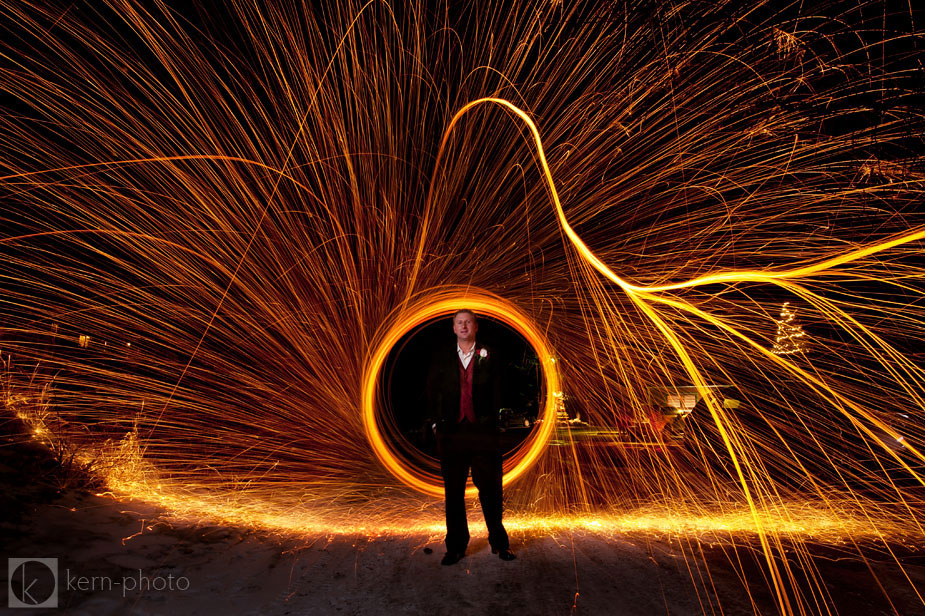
x: 789, y: 335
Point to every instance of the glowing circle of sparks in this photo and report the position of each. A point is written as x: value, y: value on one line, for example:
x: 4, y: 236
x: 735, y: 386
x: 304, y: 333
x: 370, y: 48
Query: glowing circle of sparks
x: 443, y: 303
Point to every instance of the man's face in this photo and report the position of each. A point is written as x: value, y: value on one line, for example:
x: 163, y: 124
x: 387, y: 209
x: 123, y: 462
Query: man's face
x: 465, y: 326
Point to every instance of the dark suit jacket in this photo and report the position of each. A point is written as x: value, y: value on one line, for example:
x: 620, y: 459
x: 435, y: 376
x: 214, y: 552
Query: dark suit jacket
x: 443, y: 388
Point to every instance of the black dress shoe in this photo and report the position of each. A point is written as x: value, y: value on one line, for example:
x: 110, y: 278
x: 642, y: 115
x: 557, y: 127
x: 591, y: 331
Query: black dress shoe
x: 451, y: 558
x: 504, y: 554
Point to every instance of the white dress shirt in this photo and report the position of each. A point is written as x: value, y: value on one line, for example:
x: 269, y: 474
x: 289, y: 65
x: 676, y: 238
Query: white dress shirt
x: 464, y: 357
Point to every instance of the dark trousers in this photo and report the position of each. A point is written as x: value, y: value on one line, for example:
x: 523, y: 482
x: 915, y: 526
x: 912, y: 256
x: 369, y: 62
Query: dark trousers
x: 468, y: 447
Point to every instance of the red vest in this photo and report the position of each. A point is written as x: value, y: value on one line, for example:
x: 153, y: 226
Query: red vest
x: 466, y: 411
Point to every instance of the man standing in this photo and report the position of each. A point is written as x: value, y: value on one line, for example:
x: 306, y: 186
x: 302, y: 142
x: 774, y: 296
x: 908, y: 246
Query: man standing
x: 463, y: 398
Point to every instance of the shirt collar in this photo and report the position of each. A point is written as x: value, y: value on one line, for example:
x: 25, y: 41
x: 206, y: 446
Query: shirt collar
x: 463, y: 353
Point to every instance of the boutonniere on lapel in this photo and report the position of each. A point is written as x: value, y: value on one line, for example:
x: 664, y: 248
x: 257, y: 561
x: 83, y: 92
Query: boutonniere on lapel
x: 483, y: 354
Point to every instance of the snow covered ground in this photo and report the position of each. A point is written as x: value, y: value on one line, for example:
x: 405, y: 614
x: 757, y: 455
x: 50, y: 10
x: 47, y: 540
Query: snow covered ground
x: 117, y: 558
x: 128, y: 557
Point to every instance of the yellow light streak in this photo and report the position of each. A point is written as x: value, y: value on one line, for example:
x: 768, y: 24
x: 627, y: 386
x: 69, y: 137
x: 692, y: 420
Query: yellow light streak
x: 443, y: 303
x: 242, y: 221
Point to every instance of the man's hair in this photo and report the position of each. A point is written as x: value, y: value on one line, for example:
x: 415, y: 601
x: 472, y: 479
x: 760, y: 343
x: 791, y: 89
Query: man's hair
x: 465, y: 311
